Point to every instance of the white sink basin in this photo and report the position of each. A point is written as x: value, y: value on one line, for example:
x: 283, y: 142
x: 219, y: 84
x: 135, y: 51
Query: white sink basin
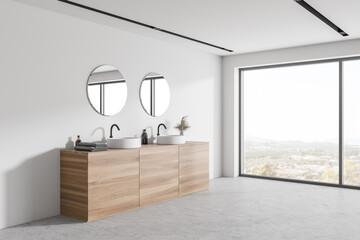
x: 171, y: 139
x: 128, y: 142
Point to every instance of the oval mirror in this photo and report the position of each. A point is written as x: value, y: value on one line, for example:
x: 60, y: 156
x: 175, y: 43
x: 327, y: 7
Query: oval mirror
x: 154, y: 94
x: 106, y: 90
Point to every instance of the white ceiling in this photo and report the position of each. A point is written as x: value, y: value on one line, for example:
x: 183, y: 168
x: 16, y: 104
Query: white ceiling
x: 240, y: 25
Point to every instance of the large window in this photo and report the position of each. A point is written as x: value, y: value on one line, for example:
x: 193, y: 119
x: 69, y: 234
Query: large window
x: 290, y: 122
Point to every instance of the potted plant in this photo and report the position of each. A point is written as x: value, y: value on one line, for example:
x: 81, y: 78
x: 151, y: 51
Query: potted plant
x: 183, y: 125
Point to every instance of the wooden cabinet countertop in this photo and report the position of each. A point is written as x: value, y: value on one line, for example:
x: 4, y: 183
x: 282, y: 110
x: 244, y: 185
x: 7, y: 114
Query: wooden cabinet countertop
x: 189, y: 143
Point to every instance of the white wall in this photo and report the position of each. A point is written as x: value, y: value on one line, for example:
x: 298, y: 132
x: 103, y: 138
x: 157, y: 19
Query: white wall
x: 45, y: 60
x: 231, y: 64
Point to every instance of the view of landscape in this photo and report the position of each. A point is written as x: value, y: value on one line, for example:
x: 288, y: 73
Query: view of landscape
x: 299, y: 160
x: 292, y: 159
x: 291, y: 122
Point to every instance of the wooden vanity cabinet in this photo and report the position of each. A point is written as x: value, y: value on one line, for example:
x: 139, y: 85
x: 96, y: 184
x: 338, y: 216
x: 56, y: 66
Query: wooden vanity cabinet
x: 193, y: 167
x: 159, y: 174
x: 99, y: 184
x: 74, y: 185
x: 95, y: 185
x: 113, y: 182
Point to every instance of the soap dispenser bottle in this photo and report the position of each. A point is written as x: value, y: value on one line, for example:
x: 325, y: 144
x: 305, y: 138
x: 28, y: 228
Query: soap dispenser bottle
x: 144, y: 137
x: 78, y: 140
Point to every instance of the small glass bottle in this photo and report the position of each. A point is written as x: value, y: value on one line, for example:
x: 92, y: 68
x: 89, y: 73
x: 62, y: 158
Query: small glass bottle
x: 78, y: 140
x: 144, y: 137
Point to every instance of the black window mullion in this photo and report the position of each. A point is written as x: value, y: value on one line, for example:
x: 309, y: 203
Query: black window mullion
x: 341, y: 125
x: 151, y: 98
x: 101, y: 99
x: 154, y: 94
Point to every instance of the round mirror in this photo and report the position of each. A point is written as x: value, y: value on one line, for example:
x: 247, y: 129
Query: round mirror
x: 155, y: 94
x: 106, y: 90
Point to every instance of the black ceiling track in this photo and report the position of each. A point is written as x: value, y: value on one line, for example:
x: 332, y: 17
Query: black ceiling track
x: 143, y: 24
x: 321, y: 17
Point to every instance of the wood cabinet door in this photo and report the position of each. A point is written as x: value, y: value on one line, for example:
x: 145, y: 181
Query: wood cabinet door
x: 113, y: 182
x: 193, y: 168
x: 73, y: 185
x: 159, y: 174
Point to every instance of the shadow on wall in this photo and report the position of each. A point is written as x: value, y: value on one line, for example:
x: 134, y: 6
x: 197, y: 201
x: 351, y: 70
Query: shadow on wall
x: 33, y: 188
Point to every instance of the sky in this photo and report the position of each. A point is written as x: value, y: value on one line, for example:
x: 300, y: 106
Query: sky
x: 302, y: 102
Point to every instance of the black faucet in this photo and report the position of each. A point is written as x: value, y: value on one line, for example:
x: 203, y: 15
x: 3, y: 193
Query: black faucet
x: 161, y: 124
x: 114, y: 125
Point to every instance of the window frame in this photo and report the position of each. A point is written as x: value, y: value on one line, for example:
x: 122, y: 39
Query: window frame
x: 102, y: 94
x: 340, y: 62
x: 152, y: 94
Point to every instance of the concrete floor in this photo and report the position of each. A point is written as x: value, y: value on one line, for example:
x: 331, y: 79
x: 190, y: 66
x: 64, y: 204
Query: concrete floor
x: 240, y: 208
